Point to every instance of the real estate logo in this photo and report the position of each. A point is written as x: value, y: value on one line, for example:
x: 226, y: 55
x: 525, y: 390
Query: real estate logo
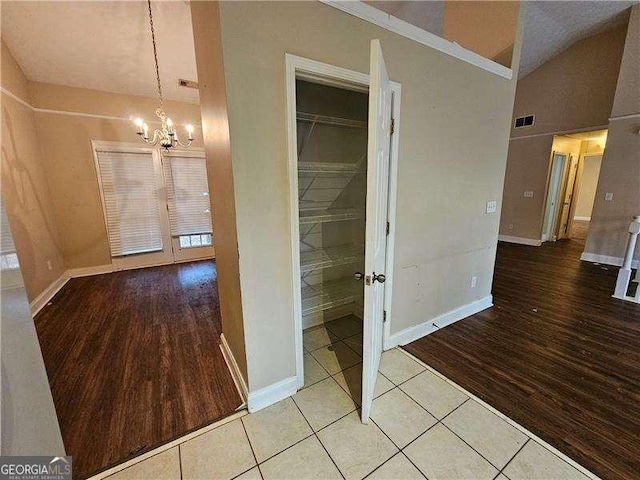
x: 35, y: 468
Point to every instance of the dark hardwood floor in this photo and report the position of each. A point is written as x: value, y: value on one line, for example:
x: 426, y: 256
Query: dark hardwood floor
x: 556, y: 353
x: 133, y: 360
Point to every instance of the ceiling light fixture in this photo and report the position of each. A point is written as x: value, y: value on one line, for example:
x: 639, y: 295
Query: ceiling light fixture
x: 166, y: 136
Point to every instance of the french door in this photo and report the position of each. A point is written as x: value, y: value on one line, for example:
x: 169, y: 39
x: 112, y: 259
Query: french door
x: 156, y: 206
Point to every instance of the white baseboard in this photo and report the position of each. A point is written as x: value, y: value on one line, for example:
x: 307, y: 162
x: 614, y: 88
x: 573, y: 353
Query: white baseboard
x: 47, y: 294
x: 272, y: 394
x: 606, y: 259
x: 234, y: 368
x: 410, y: 334
x: 520, y: 240
x: 88, y: 271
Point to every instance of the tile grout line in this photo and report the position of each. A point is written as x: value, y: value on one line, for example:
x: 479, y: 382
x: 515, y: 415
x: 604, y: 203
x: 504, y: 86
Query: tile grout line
x: 400, y: 449
x: 313, y: 433
x: 514, y: 456
x: 251, y: 447
x: 546, y: 445
x: 180, y: 461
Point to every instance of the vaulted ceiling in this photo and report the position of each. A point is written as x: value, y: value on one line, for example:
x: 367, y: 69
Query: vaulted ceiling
x: 105, y: 45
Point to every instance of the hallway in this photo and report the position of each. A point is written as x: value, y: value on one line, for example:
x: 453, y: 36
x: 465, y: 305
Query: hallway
x: 133, y: 361
x: 556, y: 353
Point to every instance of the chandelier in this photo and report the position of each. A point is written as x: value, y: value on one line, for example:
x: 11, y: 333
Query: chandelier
x: 166, y: 136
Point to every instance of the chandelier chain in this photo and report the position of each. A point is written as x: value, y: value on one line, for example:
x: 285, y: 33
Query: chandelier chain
x: 155, y: 55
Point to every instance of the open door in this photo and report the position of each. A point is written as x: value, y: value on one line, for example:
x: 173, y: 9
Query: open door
x: 376, y: 222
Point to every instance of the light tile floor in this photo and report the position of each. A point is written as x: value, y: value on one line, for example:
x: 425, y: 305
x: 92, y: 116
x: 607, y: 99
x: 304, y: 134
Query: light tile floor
x: 422, y: 426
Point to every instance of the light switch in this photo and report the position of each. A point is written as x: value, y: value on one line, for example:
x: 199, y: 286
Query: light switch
x: 528, y: 194
x: 492, y: 206
x: 608, y: 197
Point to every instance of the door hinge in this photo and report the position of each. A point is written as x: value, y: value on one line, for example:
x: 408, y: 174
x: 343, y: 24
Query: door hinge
x: 384, y: 316
x: 393, y: 125
x: 388, y: 228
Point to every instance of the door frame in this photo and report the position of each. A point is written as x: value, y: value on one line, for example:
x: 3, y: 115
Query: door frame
x: 304, y: 68
x: 561, y: 181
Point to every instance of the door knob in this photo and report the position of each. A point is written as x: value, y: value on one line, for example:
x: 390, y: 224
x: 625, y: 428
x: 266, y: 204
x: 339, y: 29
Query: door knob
x: 358, y: 276
x: 379, y: 278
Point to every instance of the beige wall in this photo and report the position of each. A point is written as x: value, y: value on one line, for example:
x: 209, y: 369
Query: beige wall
x: 572, y: 91
x: 54, y: 205
x: 620, y: 172
x: 70, y: 167
x: 486, y: 27
x: 215, y: 125
x: 452, y: 160
x: 25, y: 190
x: 588, y: 183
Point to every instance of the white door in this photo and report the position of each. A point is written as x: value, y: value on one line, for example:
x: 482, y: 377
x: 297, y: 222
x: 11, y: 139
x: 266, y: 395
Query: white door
x: 376, y: 222
x: 553, y: 197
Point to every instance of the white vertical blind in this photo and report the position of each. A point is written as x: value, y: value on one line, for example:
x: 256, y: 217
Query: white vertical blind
x: 131, y: 198
x: 187, y: 195
x: 6, y: 240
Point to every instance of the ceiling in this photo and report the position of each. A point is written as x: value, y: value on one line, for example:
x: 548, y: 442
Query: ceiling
x: 592, y: 135
x: 103, y: 45
x: 553, y: 26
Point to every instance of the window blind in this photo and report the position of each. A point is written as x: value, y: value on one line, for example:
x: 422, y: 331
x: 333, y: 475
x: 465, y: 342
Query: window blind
x: 130, y: 189
x: 6, y: 240
x: 187, y: 195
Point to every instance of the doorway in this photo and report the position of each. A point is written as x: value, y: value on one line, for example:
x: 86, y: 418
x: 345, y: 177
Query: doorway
x: 579, y: 181
x: 342, y: 171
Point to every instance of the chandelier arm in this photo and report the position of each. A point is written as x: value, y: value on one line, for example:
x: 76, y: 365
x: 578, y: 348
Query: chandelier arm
x: 155, y: 55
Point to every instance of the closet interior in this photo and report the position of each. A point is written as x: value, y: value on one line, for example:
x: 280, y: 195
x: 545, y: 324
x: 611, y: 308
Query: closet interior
x: 332, y: 186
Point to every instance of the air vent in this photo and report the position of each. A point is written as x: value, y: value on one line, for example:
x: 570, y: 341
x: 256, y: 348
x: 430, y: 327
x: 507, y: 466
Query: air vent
x: 525, y: 121
x: 187, y: 83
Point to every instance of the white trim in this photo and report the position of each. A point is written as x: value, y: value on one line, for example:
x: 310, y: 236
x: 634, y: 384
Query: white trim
x: 393, y: 24
x: 606, y: 259
x: 510, y: 421
x: 625, y: 117
x: 582, y: 219
x: 272, y: 394
x: 561, y: 132
x: 48, y: 293
x: 234, y: 368
x: 75, y: 114
x: 411, y: 334
x: 167, y: 446
x: 391, y: 212
x: 88, y: 271
x: 522, y: 241
x: 16, y: 98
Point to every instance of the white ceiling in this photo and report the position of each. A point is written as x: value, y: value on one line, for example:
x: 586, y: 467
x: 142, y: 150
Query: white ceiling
x: 103, y: 45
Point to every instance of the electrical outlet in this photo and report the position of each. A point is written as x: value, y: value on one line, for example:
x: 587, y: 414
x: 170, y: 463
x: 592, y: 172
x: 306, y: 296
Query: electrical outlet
x: 528, y: 194
x: 492, y: 206
x: 474, y: 281
x: 49, y: 266
x: 608, y: 197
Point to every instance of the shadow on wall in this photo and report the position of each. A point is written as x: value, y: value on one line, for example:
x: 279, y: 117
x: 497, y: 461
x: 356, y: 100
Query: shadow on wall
x: 21, y: 197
